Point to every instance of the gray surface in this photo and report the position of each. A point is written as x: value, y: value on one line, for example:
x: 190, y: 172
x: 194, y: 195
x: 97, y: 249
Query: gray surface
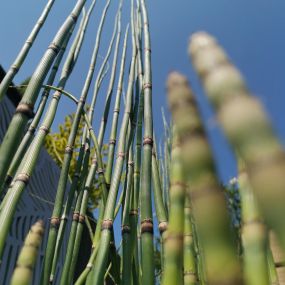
x: 36, y: 203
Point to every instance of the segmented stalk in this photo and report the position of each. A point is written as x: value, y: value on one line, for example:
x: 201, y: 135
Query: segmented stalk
x: 55, y: 220
x: 209, y: 205
x: 14, y: 68
x: 146, y: 204
x: 189, y: 261
x: 97, y: 276
x: 173, y: 248
x: 23, y: 273
x: 24, y: 110
x: 247, y: 127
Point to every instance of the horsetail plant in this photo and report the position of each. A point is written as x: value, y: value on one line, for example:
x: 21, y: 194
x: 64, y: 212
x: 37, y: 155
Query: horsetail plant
x: 27, y: 139
x: 107, y: 225
x: 254, y: 234
x: 14, y: 68
x: 24, y: 110
x: 55, y: 219
x: 146, y: 205
x: 250, y: 134
x: 8, y: 205
x: 209, y: 205
x: 173, y: 261
x: 23, y: 273
x: 190, y: 274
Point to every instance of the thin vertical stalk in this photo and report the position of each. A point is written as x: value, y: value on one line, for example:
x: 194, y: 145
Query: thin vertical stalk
x: 173, y: 261
x: 189, y: 260
x: 14, y: 68
x: 126, y: 229
x: 23, y: 274
x: 55, y: 220
x: 27, y: 139
x: 251, y: 133
x: 254, y: 234
x: 209, y: 205
x: 97, y: 276
x: 8, y: 206
x: 146, y: 204
x: 114, y: 128
x: 24, y: 110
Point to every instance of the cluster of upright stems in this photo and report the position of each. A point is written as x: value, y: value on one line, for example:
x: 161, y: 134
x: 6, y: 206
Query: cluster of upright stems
x: 198, y: 244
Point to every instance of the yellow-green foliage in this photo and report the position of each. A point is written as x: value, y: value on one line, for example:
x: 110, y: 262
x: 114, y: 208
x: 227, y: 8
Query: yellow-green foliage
x: 55, y: 144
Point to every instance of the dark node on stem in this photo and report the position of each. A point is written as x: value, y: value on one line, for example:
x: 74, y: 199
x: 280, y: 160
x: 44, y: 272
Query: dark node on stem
x: 108, y: 185
x: 89, y: 265
x: 186, y: 272
x: 8, y: 180
x: 54, y: 47
x: 255, y: 221
x: 180, y: 184
x: 202, y: 192
x: 94, y: 160
x: 112, y: 142
x: 54, y: 222
x: 121, y: 154
x: 31, y: 130
x: 81, y: 219
x: 75, y: 217
x: 147, y: 49
x: 126, y: 229
x: 25, y: 109
x: 74, y: 17
x: 107, y: 225
x: 76, y: 175
x: 82, y: 100
x: 100, y: 171
x: 68, y: 149
x: 64, y: 218
x: 147, y: 226
x: 131, y: 163
x: 176, y: 237
x: 147, y: 86
x: 23, y: 177
x: 162, y: 227
x: 148, y: 140
x: 259, y: 164
x: 15, y: 68
x: 44, y: 129
x: 26, y: 266
x: 112, y: 244
x: 133, y: 212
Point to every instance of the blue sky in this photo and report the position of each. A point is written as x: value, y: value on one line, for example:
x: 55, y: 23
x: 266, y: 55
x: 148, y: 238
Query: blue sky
x: 252, y: 32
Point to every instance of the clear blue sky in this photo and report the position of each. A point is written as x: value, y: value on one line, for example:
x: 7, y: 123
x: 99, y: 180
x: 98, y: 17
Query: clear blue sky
x: 252, y: 32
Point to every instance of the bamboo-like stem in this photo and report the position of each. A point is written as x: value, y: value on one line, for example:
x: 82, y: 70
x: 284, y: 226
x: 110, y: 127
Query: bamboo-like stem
x: 23, y: 273
x: 27, y: 139
x: 68, y: 154
x: 209, y: 205
x: 14, y: 68
x: 83, y: 276
x: 78, y: 219
x: 27, y: 166
x: 146, y: 204
x: 273, y: 275
x: 254, y: 234
x: 24, y: 110
x: 173, y: 261
x: 126, y: 229
x: 158, y: 199
x: 113, y: 133
x: 250, y: 134
x: 97, y: 275
x: 189, y: 260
